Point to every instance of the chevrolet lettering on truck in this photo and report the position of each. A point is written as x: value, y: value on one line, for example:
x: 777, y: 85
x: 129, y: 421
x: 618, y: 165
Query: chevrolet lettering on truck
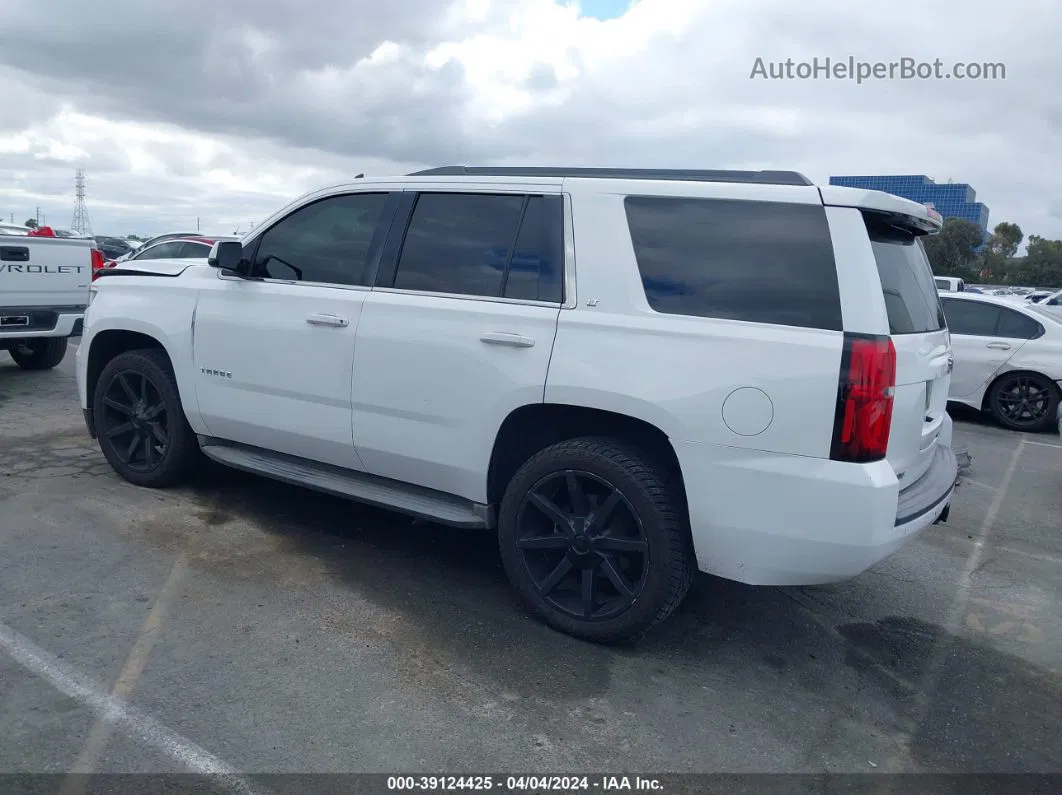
x: 44, y: 289
x: 626, y: 375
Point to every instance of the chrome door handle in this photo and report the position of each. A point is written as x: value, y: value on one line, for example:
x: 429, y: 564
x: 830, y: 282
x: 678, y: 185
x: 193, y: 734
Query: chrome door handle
x: 505, y: 338
x: 327, y: 320
x: 1002, y: 346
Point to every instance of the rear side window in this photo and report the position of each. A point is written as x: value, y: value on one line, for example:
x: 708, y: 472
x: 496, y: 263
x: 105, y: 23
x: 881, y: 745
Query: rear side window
x: 192, y: 250
x: 763, y: 262
x: 907, y: 283
x: 1015, y: 325
x: 169, y: 250
x: 479, y: 244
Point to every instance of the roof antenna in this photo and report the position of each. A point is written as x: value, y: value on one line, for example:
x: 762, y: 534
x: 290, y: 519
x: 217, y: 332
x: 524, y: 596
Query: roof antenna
x: 359, y: 176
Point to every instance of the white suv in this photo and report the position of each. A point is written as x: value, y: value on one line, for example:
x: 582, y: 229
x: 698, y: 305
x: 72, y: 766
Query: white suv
x: 629, y: 375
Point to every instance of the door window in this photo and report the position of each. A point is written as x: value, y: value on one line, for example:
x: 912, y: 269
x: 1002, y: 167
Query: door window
x: 328, y: 241
x: 971, y: 318
x: 459, y: 243
x: 479, y: 244
x: 536, y: 266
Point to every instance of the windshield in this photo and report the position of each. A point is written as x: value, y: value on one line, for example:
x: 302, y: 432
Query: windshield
x: 911, y: 298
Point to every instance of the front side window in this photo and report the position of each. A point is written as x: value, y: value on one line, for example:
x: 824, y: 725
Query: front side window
x: 971, y: 318
x: 328, y: 241
x: 757, y: 261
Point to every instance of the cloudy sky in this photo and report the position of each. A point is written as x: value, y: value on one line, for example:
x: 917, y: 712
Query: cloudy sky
x: 224, y: 110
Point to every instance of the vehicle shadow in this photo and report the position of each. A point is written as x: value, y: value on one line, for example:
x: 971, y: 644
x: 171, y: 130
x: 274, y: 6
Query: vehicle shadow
x: 969, y: 706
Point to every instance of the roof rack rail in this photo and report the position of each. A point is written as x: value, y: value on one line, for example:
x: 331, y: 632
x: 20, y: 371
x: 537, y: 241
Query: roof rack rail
x: 687, y: 175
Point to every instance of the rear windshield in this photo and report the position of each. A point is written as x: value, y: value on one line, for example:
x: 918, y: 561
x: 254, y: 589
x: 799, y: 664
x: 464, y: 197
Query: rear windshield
x: 907, y: 283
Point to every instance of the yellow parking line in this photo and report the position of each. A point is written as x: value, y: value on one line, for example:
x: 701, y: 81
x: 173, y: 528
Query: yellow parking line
x: 101, y: 730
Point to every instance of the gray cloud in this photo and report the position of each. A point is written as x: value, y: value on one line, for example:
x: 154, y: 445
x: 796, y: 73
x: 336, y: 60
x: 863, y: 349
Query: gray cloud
x: 292, y: 89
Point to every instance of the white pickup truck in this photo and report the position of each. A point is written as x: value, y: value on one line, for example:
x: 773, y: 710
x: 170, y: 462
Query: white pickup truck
x: 44, y: 290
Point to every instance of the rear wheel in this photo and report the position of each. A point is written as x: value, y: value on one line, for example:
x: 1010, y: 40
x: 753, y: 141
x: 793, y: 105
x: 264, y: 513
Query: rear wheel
x: 140, y: 422
x: 594, y: 540
x: 39, y: 354
x: 1024, y: 401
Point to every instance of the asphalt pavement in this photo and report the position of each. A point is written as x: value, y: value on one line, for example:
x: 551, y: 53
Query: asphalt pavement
x: 244, y: 626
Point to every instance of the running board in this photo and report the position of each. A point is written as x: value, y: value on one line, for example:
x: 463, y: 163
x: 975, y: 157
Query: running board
x: 416, y: 501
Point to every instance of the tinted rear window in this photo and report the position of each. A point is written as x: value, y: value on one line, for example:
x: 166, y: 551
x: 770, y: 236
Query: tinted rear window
x: 764, y: 262
x: 907, y: 283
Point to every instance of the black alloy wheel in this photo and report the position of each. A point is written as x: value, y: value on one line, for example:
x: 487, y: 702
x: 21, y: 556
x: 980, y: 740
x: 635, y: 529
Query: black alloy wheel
x: 1024, y: 401
x: 140, y: 422
x: 583, y: 545
x: 135, y: 420
x: 594, y: 538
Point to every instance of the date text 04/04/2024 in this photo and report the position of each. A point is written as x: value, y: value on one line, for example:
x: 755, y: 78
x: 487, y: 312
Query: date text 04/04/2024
x: 526, y: 784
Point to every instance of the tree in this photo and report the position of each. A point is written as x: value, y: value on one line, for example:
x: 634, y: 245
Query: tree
x: 952, y: 251
x: 1043, y: 262
x: 31, y: 223
x: 996, y: 258
x: 1005, y: 239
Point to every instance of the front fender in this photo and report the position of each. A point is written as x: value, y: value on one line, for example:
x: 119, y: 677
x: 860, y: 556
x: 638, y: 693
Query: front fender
x: 131, y: 305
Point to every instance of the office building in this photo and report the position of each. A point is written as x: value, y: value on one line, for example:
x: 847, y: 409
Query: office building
x: 950, y: 199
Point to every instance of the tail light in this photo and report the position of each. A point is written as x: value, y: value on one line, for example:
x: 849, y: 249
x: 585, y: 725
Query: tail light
x: 864, y: 399
x: 97, y: 263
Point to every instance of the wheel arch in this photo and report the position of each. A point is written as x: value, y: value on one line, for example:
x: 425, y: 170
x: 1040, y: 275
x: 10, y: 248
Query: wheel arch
x: 111, y: 342
x: 533, y: 427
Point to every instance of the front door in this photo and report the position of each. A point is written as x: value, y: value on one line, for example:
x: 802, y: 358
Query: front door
x: 274, y: 354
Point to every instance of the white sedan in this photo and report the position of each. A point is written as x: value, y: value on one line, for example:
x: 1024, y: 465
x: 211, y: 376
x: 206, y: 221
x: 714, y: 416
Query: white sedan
x: 1008, y: 359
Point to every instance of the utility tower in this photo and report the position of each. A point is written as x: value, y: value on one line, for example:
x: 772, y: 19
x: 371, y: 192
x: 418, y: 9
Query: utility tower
x: 81, y: 224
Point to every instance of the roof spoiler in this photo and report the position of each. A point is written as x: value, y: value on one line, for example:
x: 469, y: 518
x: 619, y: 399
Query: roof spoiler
x: 895, y: 211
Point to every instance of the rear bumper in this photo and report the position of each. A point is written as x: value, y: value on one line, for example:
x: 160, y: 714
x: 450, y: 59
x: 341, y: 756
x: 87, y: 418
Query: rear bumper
x: 41, y: 321
x: 767, y: 519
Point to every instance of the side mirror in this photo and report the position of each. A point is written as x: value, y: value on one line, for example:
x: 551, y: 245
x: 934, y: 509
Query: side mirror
x: 227, y: 255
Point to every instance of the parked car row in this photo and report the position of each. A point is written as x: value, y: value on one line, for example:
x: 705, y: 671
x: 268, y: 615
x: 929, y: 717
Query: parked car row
x: 1008, y: 358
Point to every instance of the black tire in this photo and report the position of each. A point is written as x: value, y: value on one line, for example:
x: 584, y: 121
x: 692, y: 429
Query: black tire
x: 1024, y: 401
x: 39, y: 354
x: 123, y: 407
x: 649, y: 507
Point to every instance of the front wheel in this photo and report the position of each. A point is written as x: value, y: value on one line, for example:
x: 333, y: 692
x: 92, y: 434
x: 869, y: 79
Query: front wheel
x: 140, y: 422
x: 39, y: 354
x: 594, y: 539
x: 1024, y: 401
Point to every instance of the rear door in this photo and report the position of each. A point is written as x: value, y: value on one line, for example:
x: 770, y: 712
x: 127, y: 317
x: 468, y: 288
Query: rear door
x: 457, y: 332
x: 923, y: 348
